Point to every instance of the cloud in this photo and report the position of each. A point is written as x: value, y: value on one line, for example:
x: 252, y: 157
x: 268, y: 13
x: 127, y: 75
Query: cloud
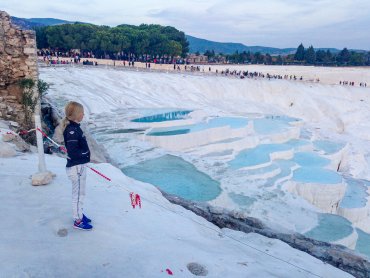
x: 279, y: 23
x: 276, y: 23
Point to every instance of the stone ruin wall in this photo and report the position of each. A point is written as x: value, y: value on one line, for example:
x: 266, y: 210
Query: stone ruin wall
x: 18, y: 60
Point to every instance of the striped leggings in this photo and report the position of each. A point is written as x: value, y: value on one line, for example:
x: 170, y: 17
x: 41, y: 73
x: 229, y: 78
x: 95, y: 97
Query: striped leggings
x: 77, y: 175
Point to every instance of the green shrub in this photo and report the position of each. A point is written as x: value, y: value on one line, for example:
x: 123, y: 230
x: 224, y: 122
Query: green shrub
x: 30, y: 97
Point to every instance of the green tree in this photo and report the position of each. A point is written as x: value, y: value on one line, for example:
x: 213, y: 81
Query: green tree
x: 357, y: 59
x: 210, y: 53
x: 299, y: 55
x: 258, y: 58
x: 174, y: 48
x: 344, y: 56
x: 279, y: 60
x: 268, y: 59
x: 367, y: 58
x: 310, y: 55
x: 41, y: 39
x: 139, y: 40
x: 329, y: 57
x: 321, y: 56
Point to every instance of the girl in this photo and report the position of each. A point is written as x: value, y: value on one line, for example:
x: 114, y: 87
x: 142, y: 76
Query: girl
x: 78, y: 156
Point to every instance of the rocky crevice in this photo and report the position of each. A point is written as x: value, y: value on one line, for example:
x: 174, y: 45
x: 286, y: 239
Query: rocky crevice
x: 336, y: 255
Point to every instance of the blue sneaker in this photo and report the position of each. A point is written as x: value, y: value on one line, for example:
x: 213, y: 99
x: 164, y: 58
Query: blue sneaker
x: 85, y: 219
x: 79, y: 224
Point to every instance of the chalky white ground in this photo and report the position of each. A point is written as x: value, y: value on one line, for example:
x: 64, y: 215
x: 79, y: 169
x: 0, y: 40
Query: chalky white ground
x: 142, y: 243
x: 331, y: 112
x: 125, y: 242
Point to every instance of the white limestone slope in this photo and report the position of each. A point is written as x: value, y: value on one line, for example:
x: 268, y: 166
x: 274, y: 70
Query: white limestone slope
x: 334, y: 111
x: 113, y: 97
x: 37, y: 238
x: 324, y: 196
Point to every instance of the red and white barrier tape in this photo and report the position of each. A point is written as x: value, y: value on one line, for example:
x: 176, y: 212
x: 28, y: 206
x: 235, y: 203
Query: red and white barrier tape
x: 52, y: 141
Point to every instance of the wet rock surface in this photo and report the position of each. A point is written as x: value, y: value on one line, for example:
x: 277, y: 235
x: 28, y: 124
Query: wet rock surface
x: 63, y: 232
x: 197, y: 269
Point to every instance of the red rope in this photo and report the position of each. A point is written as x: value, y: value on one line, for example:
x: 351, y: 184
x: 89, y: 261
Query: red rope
x: 135, y: 198
x: 100, y: 174
x: 43, y: 133
x: 23, y: 132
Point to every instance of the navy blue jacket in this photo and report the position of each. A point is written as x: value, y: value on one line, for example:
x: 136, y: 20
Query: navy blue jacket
x: 76, y: 145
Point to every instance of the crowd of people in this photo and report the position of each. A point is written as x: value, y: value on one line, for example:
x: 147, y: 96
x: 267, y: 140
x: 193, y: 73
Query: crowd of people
x: 68, y: 54
x: 352, y: 83
x: 250, y: 74
x: 75, y: 58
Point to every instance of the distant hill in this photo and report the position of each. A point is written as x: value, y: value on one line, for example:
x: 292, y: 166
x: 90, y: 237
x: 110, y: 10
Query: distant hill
x: 29, y: 23
x: 202, y: 45
x: 195, y: 44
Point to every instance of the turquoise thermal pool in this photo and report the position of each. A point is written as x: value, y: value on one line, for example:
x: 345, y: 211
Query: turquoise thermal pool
x: 168, y: 116
x: 330, y: 228
x: 175, y: 176
x: 232, y: 122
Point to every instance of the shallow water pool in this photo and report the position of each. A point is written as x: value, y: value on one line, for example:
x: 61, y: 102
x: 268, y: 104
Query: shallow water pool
x: 316, y: 175
x: 356, y: 194
x: 273, y: 124
x: 328, y: 147
x: 242, y: 200
x: 168, y: 116
x: 232, y: 122
x: 362, y: 244
x: 310, y: 159
x: 256, y: 156
x: 176, y: 176
x: 330, y: 228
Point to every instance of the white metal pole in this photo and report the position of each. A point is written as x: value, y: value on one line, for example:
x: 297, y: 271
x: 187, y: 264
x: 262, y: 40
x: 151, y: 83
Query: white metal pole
x: 40, y: 145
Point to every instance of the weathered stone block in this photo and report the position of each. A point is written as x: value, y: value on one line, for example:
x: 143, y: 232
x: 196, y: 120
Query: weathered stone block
x: 31, y: 62
x: 42, y: 178
x: 29, y: 50
x: 8, y: 137
x: 19, y: 74
x: 6, y: 150
x: 9, y: 50
x: 13, y: 124
x: 10, y: 97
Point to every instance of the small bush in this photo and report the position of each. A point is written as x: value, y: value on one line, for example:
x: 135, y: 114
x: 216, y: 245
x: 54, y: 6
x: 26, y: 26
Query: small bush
x: 30, y: 97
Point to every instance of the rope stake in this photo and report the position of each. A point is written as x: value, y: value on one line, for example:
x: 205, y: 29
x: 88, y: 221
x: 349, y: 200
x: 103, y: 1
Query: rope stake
x: 135, y: 200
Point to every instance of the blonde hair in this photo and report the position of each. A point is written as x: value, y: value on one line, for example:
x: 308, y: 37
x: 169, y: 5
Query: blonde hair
x: 72, y: 110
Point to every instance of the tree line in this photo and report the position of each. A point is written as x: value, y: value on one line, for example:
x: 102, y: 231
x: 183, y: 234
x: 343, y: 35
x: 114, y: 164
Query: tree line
x: 122, y: 40
x: 302, y: 56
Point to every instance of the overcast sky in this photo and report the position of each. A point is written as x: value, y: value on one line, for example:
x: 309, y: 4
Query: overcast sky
x: 275, y: 23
